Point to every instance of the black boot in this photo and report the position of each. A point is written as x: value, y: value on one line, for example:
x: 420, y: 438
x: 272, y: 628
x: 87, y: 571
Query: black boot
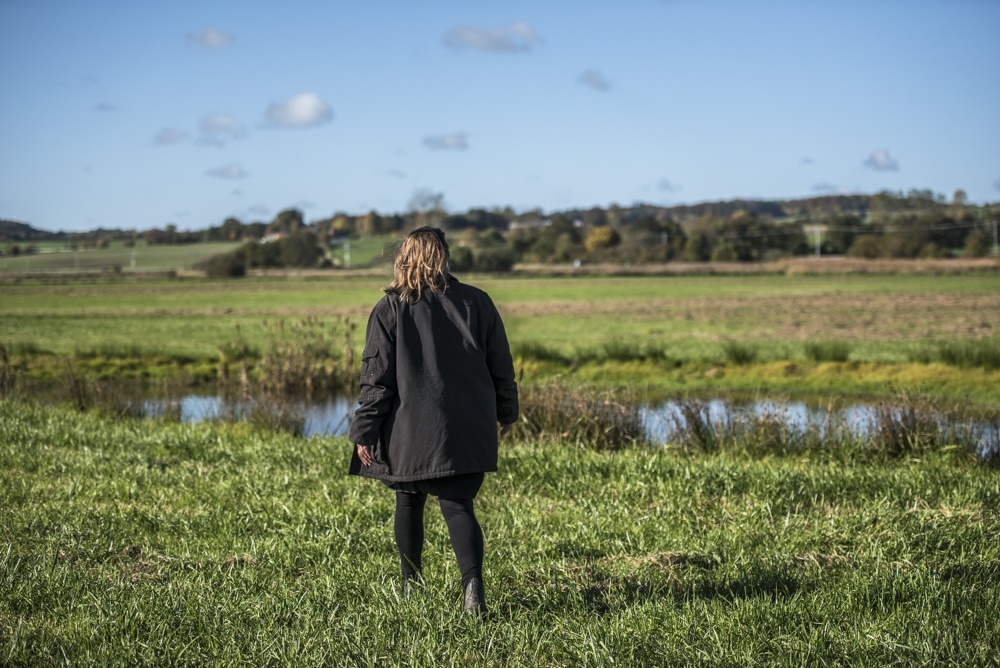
x: 475, y: 597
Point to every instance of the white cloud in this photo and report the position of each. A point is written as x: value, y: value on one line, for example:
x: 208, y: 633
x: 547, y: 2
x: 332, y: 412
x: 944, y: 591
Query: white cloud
x: 299, y: 111
x: 595, y: 80
x: 509, y: 38
x: 217, y: 128
x: 666, y: 186
x: 170, y: 136
x: 452, y: 142
x: 881, y: 161
x: 824, y: 188
x: 211, y: 38
x: 231, y: 171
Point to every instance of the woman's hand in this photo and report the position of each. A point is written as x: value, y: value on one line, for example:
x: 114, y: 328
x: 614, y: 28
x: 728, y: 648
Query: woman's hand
x: 365, y: 454
x: 505, y: 429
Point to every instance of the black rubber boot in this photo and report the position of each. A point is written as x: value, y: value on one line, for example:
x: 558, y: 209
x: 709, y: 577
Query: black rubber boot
x: 475, y: 597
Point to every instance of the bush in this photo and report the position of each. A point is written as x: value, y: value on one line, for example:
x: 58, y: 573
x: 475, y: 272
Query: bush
x: 494, y: 260
x: 223, y: 265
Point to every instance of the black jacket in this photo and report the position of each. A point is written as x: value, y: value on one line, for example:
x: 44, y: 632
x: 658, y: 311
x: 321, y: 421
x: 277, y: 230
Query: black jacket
x: 436, y: 377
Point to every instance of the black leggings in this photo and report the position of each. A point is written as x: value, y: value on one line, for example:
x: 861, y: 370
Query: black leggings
x: 463, y: 528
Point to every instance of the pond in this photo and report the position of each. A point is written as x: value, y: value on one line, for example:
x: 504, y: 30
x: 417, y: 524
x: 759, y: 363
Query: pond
x: 661, y: 420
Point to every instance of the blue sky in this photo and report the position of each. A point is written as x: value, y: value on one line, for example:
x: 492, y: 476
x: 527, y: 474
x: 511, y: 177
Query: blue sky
x: 140, y: 113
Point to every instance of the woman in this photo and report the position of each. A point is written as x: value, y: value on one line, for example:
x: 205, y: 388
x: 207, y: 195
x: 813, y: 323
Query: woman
x: 436, y: 378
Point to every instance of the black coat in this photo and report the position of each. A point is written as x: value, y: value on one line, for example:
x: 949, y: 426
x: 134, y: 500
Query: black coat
x: 436, y: 377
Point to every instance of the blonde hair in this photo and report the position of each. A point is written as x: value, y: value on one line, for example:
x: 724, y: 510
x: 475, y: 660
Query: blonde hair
x: 421, y: 263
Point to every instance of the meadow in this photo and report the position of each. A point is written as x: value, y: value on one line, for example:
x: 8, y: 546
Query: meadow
x: 136, y: 541
x: 125, y: 542
x: 867, y: 335
x: 56, y: 256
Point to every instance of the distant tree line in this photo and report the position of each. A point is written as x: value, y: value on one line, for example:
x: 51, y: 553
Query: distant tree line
x: 884, y: 225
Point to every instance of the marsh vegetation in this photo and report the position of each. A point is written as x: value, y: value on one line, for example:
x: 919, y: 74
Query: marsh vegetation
x: 731, y: 536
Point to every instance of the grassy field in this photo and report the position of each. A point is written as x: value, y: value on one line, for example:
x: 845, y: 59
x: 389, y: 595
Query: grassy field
x: 57, y: 257
x: 883, y: 333
x: 135, y: 543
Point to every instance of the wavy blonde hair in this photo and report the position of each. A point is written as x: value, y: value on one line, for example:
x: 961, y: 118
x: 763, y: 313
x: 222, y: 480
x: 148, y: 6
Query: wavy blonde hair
x: 421, y: 264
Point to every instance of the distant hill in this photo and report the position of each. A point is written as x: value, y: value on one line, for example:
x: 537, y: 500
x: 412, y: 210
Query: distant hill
x: 12, y: 230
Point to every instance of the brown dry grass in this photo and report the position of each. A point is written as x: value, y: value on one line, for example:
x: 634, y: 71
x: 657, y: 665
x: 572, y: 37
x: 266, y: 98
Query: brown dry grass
x: 793, y: 266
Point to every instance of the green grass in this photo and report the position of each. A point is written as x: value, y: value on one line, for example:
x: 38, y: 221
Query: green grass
x: 129, y: 543
x: 664, y: 332
x: 116, y: 255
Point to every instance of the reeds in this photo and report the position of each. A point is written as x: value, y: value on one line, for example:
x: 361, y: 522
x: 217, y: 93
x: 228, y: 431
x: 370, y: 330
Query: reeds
x: 899, y: 427
x: 963, y: 353
x: 596, y: 419
x: 307, y: 356
x: 828, y: 351
x: 737, y: 352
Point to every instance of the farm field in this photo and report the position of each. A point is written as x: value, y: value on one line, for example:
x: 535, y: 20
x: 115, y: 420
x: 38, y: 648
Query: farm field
x: 658, y: 333
x: 130, y: 542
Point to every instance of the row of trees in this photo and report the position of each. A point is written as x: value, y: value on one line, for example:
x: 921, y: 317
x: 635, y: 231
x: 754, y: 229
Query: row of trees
x: 886, y: 224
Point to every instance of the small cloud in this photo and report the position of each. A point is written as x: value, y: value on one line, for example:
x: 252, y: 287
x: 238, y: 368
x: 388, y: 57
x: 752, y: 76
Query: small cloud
x: 237, y: 191
x: 667, y: 187
x: 881, y: 161
x: 170, y: 136
x: 299, y: 111
x: 510, y: 38
x: 452, y: 142
x: 807, y: 161
x: 105, y: 106
x: 211, y: 38
x: 259, y: 210
x: 231, y: 171
x: 217, y: 128
x: 595, y: 80
x: 398, y: 174
x: 824, y: 188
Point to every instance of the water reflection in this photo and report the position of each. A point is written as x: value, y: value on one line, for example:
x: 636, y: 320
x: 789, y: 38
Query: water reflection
x: 662, y: 420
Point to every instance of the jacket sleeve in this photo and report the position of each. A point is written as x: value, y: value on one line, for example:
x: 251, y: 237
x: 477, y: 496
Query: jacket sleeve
x: 378, y: 376
x: 501, y: 366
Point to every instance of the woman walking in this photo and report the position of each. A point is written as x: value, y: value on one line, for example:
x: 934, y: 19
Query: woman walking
x: 436, y: 379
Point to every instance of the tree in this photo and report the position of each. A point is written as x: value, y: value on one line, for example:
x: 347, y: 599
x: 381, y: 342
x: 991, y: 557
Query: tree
x: 427, y: 208
x: 287, y: 222
x: 602, y: 238
x: 369, y: 225
x: 232, y: 229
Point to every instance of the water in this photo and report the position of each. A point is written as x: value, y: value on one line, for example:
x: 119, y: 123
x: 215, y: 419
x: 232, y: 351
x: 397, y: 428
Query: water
x: 661, y: 420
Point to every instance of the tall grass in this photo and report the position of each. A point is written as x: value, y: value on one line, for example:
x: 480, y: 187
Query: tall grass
x: 739, y: 352
x: 903, y: 426
x: 963, y: 353
x: 828, y: 351
x: 307, y: 356
x: 599, y: 419
x: 129, y: 543
x: 971, y: 352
